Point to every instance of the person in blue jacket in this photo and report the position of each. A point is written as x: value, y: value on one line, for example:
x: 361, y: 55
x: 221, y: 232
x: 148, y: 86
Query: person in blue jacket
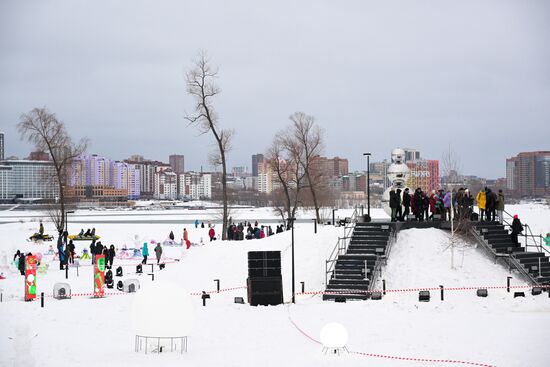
x: 196, y: 223
x: 61, y: 251
x: 144, y: 253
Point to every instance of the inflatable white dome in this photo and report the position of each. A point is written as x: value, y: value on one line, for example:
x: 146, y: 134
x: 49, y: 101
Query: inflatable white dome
x: 162, y: 309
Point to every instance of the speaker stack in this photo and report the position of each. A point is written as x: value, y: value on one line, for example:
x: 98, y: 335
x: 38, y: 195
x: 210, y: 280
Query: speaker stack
x: 265, y: 283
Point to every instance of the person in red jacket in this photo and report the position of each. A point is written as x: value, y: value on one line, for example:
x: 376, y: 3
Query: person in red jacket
x: 211, y: 233
x: 432, y: 204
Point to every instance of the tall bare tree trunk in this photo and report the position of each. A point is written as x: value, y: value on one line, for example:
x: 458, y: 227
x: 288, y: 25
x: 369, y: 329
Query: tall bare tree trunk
x: 201, y: 85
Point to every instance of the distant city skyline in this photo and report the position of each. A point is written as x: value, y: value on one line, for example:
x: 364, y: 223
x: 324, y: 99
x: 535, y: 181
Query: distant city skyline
x: 376, y: 76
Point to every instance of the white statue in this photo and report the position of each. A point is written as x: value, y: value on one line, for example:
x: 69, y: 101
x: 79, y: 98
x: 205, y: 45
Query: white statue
x: 398, y: 174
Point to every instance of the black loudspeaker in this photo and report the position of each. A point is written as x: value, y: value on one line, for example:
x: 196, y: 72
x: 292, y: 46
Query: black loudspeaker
x: 424, y: 296
x: 376, y: 296
x: 264, y: 264
x: 139, y: 269
x: 109, y: 276
x: 119, y: 271
x: 265, y: 291
x: 482, y: 292
x: 120, y: 285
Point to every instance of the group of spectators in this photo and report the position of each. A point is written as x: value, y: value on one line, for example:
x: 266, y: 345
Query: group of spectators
x: 236, y: 232
x: 439, y: 204
x: 97, y: 248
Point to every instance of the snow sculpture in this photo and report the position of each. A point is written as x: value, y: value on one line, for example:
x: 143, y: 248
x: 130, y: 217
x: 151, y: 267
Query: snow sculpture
x: 334, y: 337
x: 173, y: 320
x: 398, y: 174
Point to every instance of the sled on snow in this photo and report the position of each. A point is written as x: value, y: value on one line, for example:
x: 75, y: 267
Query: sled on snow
x: 77, y: 237
x: 40, y: 237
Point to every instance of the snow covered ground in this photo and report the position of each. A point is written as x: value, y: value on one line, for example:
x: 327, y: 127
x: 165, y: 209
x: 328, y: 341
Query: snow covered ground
x: 498, y: 330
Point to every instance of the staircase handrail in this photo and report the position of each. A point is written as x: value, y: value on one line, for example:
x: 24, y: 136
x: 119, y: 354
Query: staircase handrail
x: 539, y: 247
x: 510, y: 258
x: 377, y: 271
x: 340, y: 247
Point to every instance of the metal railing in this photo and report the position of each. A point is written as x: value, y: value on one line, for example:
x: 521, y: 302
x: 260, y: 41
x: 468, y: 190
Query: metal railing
x: 510, y: 257
x: 340, y: 247
x: 382, y: 260
x: 529, y: 239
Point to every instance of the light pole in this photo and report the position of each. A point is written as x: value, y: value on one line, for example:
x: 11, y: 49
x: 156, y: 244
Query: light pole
x: 291, y: 220
x: 67, y: 218
x: 368, y: 185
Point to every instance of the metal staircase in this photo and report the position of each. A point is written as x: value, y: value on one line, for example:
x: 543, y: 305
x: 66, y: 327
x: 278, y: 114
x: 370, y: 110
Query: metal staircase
x: 352, y: 266
x: 528, y: 257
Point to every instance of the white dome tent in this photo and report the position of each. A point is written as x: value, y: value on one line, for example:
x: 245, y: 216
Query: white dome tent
x: 172, y: 322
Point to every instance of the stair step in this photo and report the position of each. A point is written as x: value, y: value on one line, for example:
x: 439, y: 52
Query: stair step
x: 526, y: 255
x: 346, y: 287
x: 347, y: 296
x: 344, y: 284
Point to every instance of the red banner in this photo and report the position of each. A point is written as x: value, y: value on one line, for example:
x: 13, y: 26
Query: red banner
x: 99, y: 276
x: 30, y: 278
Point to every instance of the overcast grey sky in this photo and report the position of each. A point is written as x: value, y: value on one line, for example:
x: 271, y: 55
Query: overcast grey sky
x: 376, y: 75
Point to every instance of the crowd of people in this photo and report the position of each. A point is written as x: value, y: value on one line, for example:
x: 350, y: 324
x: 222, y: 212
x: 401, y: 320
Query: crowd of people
x: 438, y: 205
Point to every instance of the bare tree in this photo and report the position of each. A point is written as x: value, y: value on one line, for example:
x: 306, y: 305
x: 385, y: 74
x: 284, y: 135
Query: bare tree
x: 450, y: 165
x: 48, y: 134
x: 310, y: 137
x: 201, y: 85
x: 283, y: 157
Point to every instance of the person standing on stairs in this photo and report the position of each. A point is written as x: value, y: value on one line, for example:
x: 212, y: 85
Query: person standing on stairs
x: 517, y: 228
x: 406, y: 204
x: 500, y: 206
x: 481, y: 199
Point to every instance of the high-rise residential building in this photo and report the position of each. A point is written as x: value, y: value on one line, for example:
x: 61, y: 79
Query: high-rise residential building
x: 424, y: 174
x: 93, y: 175
x: 256, y: 159
x: 411, y: 155
x: 195, y: 185
x: 5, y: 176
x: 166, y: 184
x: 240, y: 171
x: 136, y: 158
x: 177, y: 162
x: 266, y: 177
x: 147, y: 170
x: 28, y: 179
x: 330, y: 167
x: 355, y: 181
x: 126, y: 176
x: 39, y: 156
x: 1, y: 146
x: 528, y: 173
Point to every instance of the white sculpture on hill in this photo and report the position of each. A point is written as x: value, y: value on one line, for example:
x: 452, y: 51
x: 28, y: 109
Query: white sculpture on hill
x: 398, y: 174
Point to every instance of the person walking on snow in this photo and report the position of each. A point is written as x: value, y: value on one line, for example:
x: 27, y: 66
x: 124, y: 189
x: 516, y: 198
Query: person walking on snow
x: 186, y: 238
x: 211, y: 233
x: 144, y: 253
x: 196, y: 223
x: 158, y: 252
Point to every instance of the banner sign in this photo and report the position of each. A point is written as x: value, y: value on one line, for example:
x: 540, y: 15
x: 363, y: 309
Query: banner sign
x: 99, y: 276
x: 30, y: 278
